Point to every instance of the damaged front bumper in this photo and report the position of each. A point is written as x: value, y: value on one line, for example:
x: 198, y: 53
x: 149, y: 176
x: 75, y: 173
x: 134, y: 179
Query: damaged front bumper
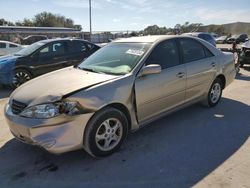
x: 56, y: 135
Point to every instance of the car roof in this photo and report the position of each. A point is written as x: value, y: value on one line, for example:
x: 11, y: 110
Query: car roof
x: 145, y: 39
x: 60, y: 39
x: 196, y: 33
x: 2, y: 41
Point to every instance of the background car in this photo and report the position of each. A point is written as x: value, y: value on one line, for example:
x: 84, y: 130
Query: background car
x: 221, y: 40
x: 205, y: 36
x: 43, y: 57
x: 32, y: 39
x: 244, y: 57
x: 122, y: 87
x: 238, y: 39
x: 7, y: 47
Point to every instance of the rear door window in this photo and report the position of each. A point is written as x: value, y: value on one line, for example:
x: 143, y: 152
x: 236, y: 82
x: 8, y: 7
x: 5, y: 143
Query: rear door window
x: 192, y: 50
x: 79, y: 47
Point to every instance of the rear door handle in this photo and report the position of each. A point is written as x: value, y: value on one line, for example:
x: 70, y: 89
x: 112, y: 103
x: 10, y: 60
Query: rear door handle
x: 180, y: 74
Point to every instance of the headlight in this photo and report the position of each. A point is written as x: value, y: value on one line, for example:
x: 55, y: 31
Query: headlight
x: 46, y: 111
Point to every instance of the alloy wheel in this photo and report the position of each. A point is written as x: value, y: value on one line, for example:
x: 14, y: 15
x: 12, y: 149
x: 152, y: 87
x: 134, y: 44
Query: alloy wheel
x: 20, y: 78
x: 215, y: 93
x: 109, y: 134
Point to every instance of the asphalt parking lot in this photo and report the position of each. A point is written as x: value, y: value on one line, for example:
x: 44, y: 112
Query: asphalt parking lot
x: 196, y: 146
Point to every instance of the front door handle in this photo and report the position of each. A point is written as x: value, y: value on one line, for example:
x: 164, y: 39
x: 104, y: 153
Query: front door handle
x: 213, y: 64
x: 180, y: 74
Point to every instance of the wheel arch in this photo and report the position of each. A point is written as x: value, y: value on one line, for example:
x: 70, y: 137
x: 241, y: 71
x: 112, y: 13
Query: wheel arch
x: 121, y: 107
x: 223, y: 79
x: 24, y: 68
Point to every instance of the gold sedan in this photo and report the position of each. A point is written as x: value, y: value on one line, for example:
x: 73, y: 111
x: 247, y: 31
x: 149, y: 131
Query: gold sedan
x: 120, y: 88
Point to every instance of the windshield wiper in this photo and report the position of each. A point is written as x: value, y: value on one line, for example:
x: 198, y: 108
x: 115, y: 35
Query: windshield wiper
x: 88, y: 69
x: 17, y: 54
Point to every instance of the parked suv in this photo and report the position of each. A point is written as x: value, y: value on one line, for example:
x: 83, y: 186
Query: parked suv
x: 43, y: 57
x: 238, y: 39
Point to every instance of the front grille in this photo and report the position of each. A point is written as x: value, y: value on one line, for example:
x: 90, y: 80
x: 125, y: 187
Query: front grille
x: 17, y: 107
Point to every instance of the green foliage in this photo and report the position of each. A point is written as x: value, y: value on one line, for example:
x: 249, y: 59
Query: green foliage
x: 44, y: 19
x: 5, y: 22
x: 178, y: 29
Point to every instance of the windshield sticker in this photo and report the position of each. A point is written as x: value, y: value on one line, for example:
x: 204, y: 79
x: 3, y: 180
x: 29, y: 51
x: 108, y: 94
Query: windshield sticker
x: 135, y: 52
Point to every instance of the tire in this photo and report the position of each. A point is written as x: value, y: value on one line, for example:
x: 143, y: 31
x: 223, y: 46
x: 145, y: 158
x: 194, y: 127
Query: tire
x: 105, y: 132
x: 20, y: 77
x: 215, y: 92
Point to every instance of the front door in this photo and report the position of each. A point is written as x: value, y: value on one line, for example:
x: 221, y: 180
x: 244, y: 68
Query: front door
x: 51, y: 57
x: 158, y: 93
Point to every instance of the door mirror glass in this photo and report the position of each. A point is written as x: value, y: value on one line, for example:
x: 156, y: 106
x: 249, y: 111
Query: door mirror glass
x: 150, y: 69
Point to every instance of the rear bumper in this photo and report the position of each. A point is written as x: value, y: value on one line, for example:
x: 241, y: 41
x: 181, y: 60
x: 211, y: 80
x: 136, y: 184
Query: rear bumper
x: 56, y: 135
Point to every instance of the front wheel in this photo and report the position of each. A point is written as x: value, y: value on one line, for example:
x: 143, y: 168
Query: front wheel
x: 215, y: 92
x: 105, y: 132
x: 20, y: 77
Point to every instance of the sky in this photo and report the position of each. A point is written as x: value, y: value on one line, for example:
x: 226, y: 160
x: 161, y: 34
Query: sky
x: 122, y: 15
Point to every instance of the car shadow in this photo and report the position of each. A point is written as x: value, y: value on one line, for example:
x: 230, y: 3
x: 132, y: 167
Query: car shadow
x: 176, y: 151
x: 243, y: 76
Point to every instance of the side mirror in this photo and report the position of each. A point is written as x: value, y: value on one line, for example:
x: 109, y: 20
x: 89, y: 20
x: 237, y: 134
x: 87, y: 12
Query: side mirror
x: 150, y: 69
x: 35, y: 56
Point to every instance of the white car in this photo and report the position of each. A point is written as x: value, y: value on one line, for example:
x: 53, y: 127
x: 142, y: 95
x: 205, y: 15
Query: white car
x: 7, y: 47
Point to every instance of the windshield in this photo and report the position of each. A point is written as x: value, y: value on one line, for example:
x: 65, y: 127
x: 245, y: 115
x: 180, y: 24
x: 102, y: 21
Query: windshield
x: 115, y: 58
x: 29, y: 49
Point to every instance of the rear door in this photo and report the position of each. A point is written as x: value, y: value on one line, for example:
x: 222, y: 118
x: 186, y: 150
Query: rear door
x: 201, y: 67
x: 160, y: 92
x: 78, y: 52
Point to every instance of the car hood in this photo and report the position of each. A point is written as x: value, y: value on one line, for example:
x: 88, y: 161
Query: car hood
x: 7, y: 58
x: 53, y: 86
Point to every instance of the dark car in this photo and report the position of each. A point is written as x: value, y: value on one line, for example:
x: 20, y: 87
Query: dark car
x: 244, y: 57
x: 237, y: 38
x: 32, y: 39
x: 205, y: 36
x: 43, y: 57
x: 221, y: 40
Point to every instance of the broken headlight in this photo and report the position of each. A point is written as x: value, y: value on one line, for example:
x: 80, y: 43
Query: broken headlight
x: 50, y: 110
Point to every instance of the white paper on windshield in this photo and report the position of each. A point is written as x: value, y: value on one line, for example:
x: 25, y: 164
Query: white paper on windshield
x: 135, y: 52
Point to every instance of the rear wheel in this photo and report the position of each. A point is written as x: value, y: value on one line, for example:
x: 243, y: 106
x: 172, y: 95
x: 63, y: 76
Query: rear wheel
x: 20, y: 77
x: 215, y: 92
x: 105, y: 132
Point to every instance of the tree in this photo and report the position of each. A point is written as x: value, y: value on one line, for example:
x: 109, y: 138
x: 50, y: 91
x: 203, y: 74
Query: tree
x: 5, y: 22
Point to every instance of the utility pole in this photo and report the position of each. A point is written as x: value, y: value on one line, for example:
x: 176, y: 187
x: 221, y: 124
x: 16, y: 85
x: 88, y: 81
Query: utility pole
x: 90, y: 19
